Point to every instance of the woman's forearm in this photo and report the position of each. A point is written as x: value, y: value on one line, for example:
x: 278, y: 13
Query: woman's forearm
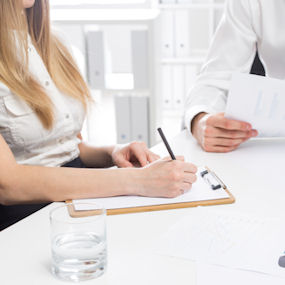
x: 41, y: 184
x: 97, y: 157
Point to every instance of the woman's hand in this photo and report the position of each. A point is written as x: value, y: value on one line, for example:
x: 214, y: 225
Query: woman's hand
x: 168, y: 178
x: 215, y: 133
x: 132, y: 155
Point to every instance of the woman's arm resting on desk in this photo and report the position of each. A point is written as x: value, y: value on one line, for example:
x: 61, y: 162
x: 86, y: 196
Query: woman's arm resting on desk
x: 23, y: 184
x: 128, y: 155
x: 215, y: 133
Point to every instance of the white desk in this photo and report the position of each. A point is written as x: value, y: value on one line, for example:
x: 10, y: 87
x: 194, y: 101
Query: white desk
x: 25, y: 248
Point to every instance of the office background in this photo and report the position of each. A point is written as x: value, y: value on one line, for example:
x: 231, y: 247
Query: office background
x: 140, y: 58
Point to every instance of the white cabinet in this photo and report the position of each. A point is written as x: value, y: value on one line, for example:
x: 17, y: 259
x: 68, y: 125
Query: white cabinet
x: 185, y: 32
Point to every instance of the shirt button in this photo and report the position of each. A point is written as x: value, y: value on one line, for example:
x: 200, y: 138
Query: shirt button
x: 29, y: 49
x: 67, y: 116
x: 46, y: 83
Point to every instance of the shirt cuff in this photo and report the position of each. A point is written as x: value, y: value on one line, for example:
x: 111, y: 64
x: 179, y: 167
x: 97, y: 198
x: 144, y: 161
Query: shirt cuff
x: 192, y: 112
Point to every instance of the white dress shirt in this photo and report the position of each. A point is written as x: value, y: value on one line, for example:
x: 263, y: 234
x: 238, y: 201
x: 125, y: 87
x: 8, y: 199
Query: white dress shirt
x: 29, y: 141
x: 246, y: 25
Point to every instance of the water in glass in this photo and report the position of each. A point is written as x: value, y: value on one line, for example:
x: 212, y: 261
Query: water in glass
x: 78, y: 256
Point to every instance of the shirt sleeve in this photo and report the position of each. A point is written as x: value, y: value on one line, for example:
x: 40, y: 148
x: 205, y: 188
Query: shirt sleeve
x: 233, y: 49
x: 4, y: 90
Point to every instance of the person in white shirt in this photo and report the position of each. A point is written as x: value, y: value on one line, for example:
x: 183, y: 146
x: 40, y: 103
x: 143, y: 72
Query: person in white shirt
x: 246, y: 26
x: 43, y: 99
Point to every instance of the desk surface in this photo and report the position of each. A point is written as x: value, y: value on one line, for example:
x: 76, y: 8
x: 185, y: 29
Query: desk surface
x: 252, y: 173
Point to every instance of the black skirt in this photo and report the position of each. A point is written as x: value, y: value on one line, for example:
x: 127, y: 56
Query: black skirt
x: 12, y: 214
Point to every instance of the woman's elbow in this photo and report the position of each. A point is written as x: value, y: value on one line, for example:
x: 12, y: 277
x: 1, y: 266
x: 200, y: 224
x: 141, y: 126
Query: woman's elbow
x: 4, y: 197
x: 6, y: 190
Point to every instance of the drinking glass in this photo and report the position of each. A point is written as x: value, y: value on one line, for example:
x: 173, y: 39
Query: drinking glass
x: 78, y: 241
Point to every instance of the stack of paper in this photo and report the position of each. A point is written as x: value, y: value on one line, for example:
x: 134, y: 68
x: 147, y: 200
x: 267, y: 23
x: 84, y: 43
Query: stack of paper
x: 229, y: 239
x: 260, y: 101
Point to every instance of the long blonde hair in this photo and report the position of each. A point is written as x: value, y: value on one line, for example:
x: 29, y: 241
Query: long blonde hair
x: 15, y: 26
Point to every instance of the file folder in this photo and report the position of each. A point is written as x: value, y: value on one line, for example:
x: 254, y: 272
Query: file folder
x: 140, y: 59
x: 140, y: 118
x: 178, y: 88
x: 96, y: 58
x: 123, y: 118
x: 167, y: 87
x: 182, y: 33
x: 167, y: 33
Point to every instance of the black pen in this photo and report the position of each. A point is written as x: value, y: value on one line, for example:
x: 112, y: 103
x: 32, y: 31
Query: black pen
x: 166, y: 143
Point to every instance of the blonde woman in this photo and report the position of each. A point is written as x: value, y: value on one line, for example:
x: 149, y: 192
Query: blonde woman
x: 43, y: 99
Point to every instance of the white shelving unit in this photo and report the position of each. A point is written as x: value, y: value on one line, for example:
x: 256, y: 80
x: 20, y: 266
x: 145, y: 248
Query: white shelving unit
x: 174, y: 65
x: 138, y: 20
x: 185, y: 32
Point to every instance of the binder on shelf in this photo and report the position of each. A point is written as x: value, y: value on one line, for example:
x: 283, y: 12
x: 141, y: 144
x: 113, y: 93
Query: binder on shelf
x: 167, y: 33
x: 140, y: 56
x: 123, y: 118
x: 167, y: 86
x: 178, y: 87
x: 140, y: 118
x: 181, y: 31
x: 95, y: 63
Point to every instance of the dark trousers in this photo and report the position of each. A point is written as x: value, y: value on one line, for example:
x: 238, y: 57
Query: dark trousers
x: 12, y: 214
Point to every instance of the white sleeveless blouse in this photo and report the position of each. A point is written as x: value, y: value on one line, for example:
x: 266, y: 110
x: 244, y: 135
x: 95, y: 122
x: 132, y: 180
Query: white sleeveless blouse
x: 29, y: 141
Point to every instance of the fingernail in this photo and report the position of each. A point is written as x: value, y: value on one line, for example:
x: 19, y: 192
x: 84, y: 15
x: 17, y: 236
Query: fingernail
x: 254, y: 133
x: 248, y: 127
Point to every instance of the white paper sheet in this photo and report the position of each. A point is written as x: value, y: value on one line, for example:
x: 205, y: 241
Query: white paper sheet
x: 200, y: 191
x: 229, y: 239
x: 259, y: 101
x: 211, y: 274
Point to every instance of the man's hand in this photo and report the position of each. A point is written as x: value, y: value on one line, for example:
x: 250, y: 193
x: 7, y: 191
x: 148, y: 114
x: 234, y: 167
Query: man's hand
x: 215, y: 133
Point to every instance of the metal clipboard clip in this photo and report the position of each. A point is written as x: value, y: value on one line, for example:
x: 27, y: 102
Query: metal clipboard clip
x: 212, y: 179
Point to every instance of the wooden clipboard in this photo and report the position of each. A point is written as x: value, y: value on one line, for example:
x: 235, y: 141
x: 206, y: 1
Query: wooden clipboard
x: 83, y: 213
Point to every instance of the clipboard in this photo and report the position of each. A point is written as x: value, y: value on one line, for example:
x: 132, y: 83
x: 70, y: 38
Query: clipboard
x: 209, y: 176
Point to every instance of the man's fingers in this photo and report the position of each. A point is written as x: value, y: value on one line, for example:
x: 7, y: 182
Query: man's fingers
x: 223, y: 142
x: 221, y: 122
x: 214, y: 132
x: 219, y: 148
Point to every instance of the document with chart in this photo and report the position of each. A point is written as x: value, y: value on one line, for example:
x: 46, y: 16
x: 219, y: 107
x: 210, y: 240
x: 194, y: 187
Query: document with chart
x: 259, y: 101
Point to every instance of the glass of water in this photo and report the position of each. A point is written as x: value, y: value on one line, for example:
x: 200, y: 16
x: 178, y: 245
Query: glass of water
x: 78, y: 241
